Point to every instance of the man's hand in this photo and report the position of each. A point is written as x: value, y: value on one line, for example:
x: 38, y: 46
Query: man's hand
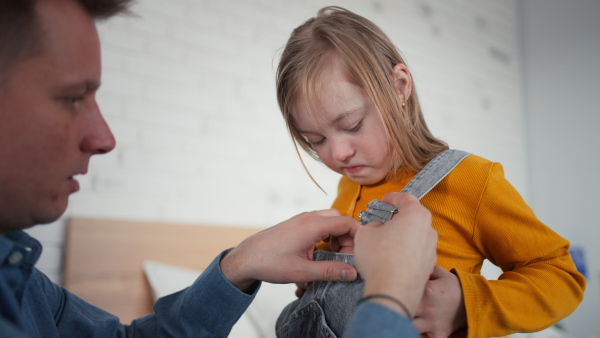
x: 284, y: 253
x: 442, y: 309
x: 396, y: 258
x: 342, y: 244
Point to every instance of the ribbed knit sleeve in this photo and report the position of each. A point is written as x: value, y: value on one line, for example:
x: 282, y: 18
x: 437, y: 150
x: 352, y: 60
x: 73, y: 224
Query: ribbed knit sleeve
x: 540, y: 284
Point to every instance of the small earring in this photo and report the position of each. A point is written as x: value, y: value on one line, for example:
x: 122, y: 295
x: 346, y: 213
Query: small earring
x: 403, y: 104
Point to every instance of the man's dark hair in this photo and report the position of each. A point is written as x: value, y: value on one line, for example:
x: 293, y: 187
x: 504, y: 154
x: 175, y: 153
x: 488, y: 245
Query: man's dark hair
x: 21, y: 34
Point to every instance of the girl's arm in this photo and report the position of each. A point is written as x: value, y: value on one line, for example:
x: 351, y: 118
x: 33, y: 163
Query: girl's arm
x: 540, y: 284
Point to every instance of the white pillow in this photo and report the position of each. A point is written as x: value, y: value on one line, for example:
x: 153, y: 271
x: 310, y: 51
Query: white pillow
x: 166, y: 279
x: 268, y: 304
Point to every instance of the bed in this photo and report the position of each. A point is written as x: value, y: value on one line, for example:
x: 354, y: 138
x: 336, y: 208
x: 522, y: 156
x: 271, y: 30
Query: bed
x: 123, y: 266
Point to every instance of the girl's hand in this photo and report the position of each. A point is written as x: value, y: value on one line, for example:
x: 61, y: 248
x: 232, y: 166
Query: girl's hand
x: 302, y: 288
x: 342, y: 244
x: 442, y: 309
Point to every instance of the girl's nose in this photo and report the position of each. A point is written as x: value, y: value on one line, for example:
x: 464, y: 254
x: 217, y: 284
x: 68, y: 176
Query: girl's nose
x: 342, y: 150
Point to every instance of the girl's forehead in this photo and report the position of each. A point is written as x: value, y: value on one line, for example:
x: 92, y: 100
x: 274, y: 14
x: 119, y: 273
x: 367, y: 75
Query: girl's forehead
x: 328, y: 93
x: 330, y: 107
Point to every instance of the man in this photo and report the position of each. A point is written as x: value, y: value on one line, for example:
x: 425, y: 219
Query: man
x: 50, y: 126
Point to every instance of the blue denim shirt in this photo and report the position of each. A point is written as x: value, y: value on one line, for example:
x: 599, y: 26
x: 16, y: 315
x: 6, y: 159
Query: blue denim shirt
x: 375, y: 320
x: 32, y: 306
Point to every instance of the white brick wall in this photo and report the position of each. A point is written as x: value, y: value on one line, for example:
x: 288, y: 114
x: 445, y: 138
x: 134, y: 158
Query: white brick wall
x: 188, y: 89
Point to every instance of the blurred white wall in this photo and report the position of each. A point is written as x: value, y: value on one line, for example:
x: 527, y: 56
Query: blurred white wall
x: 561, y: 56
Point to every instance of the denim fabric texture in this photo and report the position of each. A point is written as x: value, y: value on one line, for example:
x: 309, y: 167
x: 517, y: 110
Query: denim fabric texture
x: 326, y: 307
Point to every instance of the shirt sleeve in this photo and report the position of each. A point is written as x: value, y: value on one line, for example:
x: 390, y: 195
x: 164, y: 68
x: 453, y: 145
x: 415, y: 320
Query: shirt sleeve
x: 208, y: 308
x: 539, y: 285
x: 372, y: 319
x: 8, y: 329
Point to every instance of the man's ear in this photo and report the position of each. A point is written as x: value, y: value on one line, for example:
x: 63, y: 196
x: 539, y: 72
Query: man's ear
x: 402, y: 81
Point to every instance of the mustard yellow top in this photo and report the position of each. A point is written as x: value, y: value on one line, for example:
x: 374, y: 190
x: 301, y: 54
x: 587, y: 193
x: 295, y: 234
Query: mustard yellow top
x: 479, y: 215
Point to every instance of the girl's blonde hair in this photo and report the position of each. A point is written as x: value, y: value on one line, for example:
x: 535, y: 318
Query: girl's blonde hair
x: 368, y: 57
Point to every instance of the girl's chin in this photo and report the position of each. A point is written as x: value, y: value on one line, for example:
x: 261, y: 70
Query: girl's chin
x: 363, y: 175
x: 366, y: 180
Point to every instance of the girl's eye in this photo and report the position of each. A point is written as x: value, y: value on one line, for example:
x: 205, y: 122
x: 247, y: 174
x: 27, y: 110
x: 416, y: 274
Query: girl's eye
x: 356, y: 127
x: 313, y: 143
x: 317, y: 143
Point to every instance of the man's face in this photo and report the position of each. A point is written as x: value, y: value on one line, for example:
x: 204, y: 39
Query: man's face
x: 50, y: 124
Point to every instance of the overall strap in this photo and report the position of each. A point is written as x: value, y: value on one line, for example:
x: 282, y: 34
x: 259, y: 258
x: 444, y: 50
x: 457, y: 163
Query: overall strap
x: 425, y: 180
x: 434, y: 171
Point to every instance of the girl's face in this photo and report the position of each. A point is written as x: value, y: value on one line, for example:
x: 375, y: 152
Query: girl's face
x: 347, y: 133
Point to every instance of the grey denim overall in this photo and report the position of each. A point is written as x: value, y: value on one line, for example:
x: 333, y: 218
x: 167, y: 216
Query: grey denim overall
x: 326, y: 307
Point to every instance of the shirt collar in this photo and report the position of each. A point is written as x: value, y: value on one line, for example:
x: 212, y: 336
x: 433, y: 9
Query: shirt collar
x: 21, y: 241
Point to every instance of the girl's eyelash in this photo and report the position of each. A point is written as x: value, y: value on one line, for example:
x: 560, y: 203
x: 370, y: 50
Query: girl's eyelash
x: 319, y: 142
x: 355, y: 128
x: 314, y: 143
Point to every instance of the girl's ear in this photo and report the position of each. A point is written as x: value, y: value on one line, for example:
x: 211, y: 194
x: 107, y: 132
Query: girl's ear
x: 402, y: 81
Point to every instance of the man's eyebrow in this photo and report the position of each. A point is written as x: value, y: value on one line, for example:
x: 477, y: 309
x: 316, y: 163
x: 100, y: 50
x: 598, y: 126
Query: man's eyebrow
x: 87, y: 86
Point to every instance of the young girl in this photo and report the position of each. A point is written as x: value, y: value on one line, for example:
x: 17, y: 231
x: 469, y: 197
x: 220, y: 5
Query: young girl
x: 349, y: 101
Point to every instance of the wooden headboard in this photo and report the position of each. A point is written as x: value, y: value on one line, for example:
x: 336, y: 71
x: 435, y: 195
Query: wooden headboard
x: 103, y: 258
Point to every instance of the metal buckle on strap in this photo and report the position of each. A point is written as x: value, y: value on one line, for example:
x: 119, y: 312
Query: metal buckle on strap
x: 377, y: 211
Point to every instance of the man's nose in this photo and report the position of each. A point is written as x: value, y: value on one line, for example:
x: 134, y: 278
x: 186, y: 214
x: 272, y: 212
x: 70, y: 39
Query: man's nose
x: 98, y: 138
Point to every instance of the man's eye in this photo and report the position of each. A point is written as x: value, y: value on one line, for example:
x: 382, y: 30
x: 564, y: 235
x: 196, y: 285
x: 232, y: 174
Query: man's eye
x: 73, y: 100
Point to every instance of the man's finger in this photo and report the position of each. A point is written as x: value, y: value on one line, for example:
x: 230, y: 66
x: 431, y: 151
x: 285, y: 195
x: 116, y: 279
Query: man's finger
x: 337, y: 226
x: 332, y: 271
x: 345, y: 240
x: 327, y: 212
x: 398, y: 198
x: 374, y: 224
